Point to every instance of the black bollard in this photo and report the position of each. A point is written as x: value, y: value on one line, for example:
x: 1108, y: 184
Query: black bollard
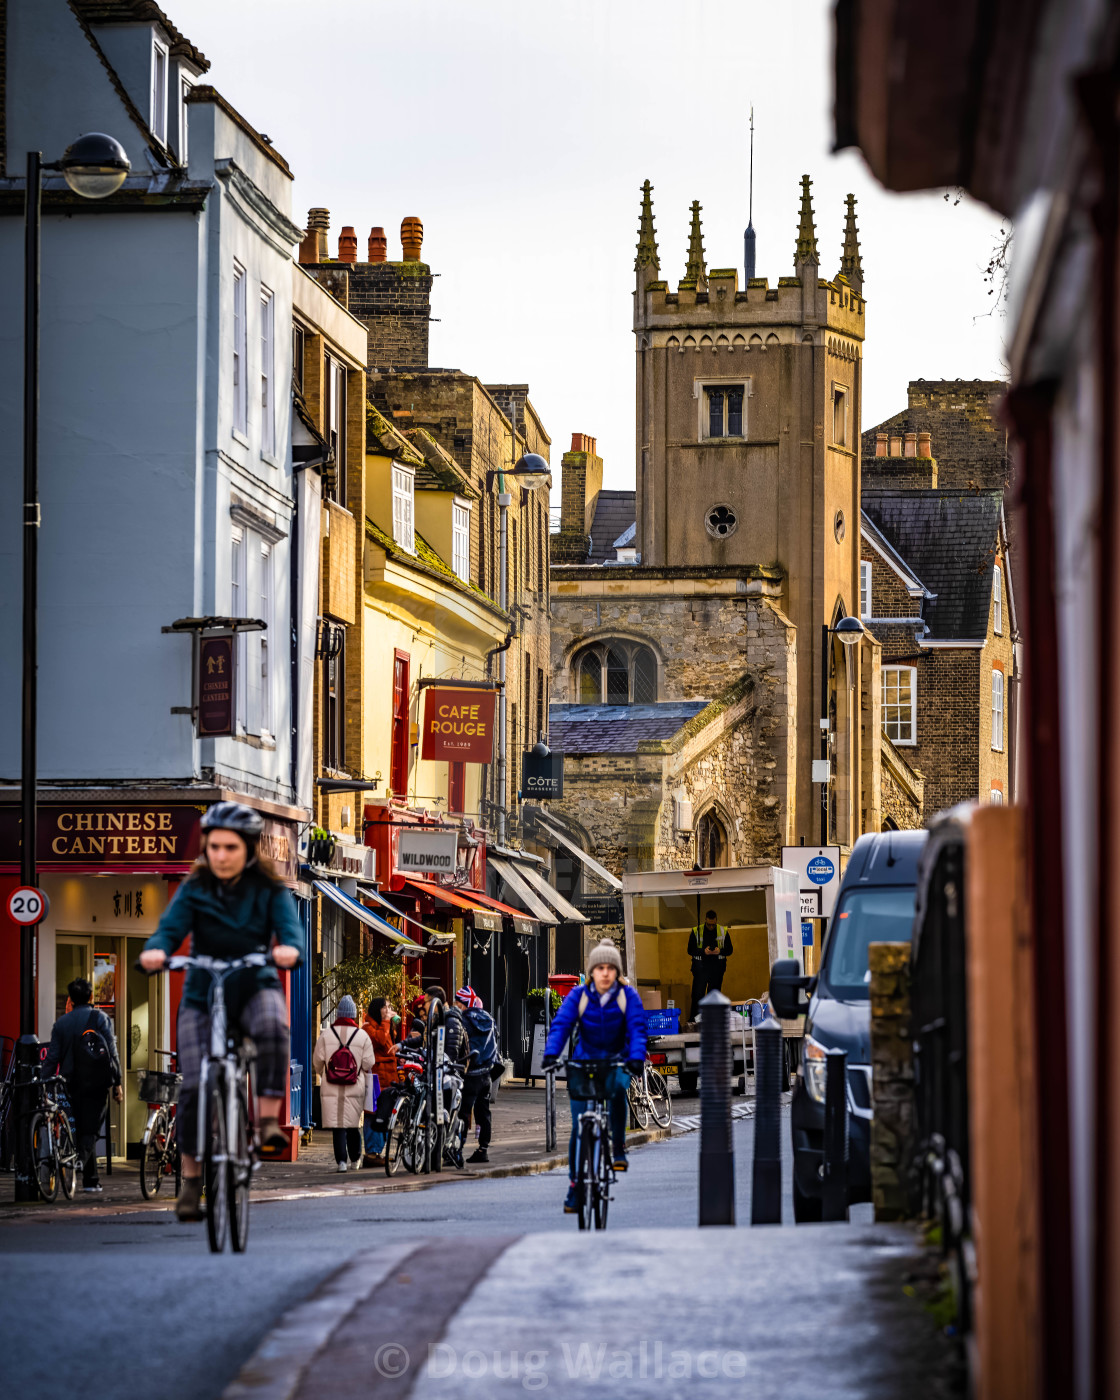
x: 717, y: 1153
x: 766, y: 1180
x: 24, y: 1103
x: 834, y: 1190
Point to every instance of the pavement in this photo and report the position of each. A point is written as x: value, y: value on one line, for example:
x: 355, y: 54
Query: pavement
x: 481, y: 1288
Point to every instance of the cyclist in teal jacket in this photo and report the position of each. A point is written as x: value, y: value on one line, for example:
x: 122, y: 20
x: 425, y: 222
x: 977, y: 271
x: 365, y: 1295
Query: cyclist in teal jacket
x: 232, y: 904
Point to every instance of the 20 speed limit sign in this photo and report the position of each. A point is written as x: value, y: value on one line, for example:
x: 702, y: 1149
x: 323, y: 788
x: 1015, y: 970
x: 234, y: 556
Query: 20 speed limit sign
x: 27, y: 905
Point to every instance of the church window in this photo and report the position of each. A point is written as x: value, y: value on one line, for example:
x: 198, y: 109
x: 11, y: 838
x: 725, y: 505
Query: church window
x: 711, y: 842
x: 616, y: 673
x: 839, y: 415
x: 865, y: 588
x: 735, y: 413
x: 724, y: 409
x: 899, y: 689
x: 715, y: 413
x: 720, y: 522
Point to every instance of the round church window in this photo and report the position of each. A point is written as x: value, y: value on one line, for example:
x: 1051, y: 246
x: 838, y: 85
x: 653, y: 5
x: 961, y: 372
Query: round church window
x: 721, y: 521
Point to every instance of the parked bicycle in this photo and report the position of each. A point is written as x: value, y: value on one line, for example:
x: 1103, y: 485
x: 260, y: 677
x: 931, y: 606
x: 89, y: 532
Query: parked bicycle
x: 54, y: 1154
x: 7, y: 1101
x: 592, y: 1080
x: 408, y: 1118
x: 161, y: 1158
x: 649, y: 1099
x: 227, y: 1098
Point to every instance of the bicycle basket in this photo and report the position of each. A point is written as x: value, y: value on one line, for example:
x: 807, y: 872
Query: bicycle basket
x: 158, y: 1086
x: 593, y: 1079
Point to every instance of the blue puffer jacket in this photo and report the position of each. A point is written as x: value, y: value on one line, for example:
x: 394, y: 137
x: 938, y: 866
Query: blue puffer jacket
x: 619, y: 1028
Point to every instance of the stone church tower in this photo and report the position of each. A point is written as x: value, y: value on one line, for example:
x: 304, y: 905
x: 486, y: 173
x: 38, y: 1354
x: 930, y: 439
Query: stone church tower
x: 748, y: 443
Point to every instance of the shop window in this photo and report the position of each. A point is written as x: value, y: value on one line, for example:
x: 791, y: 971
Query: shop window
x: 616, y: 673
x: 398, y: 778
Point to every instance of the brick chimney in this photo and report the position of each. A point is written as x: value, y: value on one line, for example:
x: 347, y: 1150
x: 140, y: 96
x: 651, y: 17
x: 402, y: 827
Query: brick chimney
x: 581, y: 480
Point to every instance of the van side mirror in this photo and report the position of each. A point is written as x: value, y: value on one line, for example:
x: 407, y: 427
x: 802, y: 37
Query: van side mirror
x: 786, y: 985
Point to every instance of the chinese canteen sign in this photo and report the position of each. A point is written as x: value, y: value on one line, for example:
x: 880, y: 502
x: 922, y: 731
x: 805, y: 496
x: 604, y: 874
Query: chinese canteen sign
x: 459, y: 725
x: 97, y: 836
x: 215, y: 686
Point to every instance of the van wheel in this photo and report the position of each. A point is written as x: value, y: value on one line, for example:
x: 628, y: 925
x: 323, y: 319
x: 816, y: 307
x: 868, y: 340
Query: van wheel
x: 807, y: 1210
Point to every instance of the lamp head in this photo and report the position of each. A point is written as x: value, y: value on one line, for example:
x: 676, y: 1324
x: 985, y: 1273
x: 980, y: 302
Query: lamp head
x: 849, y: 630
x: 540, y: 749
x: 532, y: 471
x: 95, y: 165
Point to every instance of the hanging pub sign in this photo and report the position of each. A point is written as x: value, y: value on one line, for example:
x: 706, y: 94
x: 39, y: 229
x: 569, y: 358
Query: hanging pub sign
x: 426, y: 852
x: 215, y: 686
x: 542, y: 775
x: 459, y: 725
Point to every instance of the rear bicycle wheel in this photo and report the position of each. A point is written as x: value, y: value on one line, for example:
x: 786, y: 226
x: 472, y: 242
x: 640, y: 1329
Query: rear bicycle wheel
x: 151, y: 1164
x: 587, y: 1172
x: 660, y: 1100
x: 412, y: 1153
x: 66, y: 1153
x: 397, y: 1137
x: 639, y: 1103
x: 240, y: 1172
x: 43, y: 1164
x: 176, y: 1154
x: 215, y: 1165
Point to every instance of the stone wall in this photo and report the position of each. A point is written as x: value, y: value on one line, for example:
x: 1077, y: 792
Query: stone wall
x: 902, y: 790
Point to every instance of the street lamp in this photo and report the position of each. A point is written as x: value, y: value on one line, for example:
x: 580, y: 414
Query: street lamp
x: 94, y: 166
x: 850, y: 631
x: 530, y: 471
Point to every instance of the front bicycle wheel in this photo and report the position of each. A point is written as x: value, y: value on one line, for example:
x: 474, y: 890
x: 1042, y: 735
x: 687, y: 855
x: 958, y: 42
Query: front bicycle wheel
x: 215, y: 1165
x: 240, y: 1173
x: 603, y: 1190
x: 151, y: 1164
x: 43, y: 1163
x: 176, y: 1154
x: 639, y: 1104
x: 66, y: 1153
x: 660, y: 1100
x: 398, y: 1137
x: 587, y: 1170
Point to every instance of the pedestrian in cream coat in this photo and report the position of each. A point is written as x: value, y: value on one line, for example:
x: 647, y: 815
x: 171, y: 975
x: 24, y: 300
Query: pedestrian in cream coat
x: 343, y: 1104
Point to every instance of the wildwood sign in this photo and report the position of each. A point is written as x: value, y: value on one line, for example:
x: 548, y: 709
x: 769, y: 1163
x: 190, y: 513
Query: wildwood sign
x: 459, y: 725
x: 137, y: 835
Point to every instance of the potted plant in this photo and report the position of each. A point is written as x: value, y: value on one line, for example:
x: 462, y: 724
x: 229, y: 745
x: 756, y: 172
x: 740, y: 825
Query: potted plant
x: 535, y: 997
x: 320, y: 846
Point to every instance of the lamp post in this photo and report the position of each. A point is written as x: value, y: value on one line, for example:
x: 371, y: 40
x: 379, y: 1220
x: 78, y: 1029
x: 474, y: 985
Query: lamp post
x: 94, y: 166
x: 850, y: 631
x: 530, y: 471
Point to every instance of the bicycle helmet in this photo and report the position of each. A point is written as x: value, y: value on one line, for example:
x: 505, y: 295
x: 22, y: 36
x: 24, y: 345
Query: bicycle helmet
x: 234, y: 816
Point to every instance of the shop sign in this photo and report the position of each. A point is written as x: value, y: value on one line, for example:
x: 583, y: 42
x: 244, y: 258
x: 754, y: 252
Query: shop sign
x: 353, y: 860
x: 542, y: 775
x: 215, y: 686
x: 426, y: 852
x: 133, y: 835
x: 459, y: 725
x: 278, y: 844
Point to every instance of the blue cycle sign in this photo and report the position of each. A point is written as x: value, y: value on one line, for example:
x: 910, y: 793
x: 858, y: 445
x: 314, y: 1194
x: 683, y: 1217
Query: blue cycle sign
x: 820, y: 870
x: 818, y: 877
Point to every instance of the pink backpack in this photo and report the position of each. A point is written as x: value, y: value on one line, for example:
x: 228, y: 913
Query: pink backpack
x: 342, y: 1067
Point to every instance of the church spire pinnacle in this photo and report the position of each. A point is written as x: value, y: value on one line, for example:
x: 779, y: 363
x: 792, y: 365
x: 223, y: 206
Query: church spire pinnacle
x: 647, y: 237
x: 851, y: 264
x: 695, y: 271
x: 806, y: 229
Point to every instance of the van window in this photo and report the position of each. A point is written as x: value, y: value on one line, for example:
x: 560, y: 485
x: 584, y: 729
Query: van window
x: 863, y: 917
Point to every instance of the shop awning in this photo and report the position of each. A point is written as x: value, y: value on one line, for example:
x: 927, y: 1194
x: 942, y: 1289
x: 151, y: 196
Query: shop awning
x: 459, y: 899
x: 522, y: 923
x: 522, y: 890
x: 437, y: 938
x: 580, y: 854
x: 367, y: 917
x: 569, y: 914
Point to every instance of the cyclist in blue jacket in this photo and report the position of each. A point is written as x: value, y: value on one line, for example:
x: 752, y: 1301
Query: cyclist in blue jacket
x: 607, y: 1020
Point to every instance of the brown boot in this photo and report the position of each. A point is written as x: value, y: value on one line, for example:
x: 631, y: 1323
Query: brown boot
x: 189, y: 1205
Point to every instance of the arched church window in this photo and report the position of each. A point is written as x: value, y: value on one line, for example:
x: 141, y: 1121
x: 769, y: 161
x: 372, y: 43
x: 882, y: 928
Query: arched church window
x: 711, y: 842
x: 615, y: 673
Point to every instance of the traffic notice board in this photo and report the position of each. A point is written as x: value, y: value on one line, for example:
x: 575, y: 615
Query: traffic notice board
x: 27, y: 905
x: 818, y: 873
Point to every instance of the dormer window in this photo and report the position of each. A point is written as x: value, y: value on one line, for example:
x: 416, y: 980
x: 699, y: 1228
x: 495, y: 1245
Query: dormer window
x: 185, y: 85
x: 159, y: 91
x: 461, y: 541
x: 723, y: 415
x: 404, y: 530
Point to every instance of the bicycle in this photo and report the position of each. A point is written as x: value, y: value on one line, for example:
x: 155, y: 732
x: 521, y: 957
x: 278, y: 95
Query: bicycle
x: 161, y: 1156
x: 591, y: 1080
x: 227, y: 1097
x: 649, y: 1099
x: 401, y: 1147
x: 54, y: 1155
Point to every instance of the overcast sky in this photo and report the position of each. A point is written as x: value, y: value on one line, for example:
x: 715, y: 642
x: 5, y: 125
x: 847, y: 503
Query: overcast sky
x: 520, y: 133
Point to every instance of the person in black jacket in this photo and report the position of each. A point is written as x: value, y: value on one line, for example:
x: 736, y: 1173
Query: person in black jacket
x: 88, y: 1101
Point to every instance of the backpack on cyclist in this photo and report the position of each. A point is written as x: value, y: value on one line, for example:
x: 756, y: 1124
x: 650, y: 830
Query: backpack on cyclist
x: 342, y: 1067
x: 484, y: 1043
x: 93, y: 1061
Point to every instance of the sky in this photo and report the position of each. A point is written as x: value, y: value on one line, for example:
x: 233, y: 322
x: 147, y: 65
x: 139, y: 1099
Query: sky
x: 520, y: 133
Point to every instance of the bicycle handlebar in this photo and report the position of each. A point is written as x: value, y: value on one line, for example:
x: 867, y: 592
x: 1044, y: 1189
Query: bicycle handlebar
x: 181, y: 961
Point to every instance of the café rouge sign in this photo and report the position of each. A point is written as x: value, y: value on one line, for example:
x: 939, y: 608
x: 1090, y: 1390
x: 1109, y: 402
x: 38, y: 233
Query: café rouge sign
x: 459, y: 725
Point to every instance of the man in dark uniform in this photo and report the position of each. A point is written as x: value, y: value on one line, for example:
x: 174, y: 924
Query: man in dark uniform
x: 709, y: 946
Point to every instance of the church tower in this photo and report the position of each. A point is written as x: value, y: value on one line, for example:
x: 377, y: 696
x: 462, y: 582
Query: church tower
x: 747, y: 454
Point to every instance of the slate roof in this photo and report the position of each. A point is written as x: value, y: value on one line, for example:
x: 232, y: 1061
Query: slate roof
x: 948, y: 538
x: 615, y: 512
x: 140, y: 11
x: 585, y: 729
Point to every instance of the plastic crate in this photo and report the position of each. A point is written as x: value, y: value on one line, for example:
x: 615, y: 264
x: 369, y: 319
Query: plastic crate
x: 158, y: 1086
x: 667, y: 1022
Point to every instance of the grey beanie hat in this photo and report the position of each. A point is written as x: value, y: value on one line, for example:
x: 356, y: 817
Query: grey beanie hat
x: 604, y: 953
x: 347, y: 1008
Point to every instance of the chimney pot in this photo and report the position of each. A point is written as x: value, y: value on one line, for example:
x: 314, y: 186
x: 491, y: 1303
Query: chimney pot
x: 320, y: 221
x: 577, y: 442
x: 412, y: 236
x: 880, y: 444
x: 378, y: 246
x: 910, y: 445
x: 924, y: 448
x: 348, y: 244
x: 896, y: 447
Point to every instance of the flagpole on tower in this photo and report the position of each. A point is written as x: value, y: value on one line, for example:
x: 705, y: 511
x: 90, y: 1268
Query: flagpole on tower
x: 748, y: 236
